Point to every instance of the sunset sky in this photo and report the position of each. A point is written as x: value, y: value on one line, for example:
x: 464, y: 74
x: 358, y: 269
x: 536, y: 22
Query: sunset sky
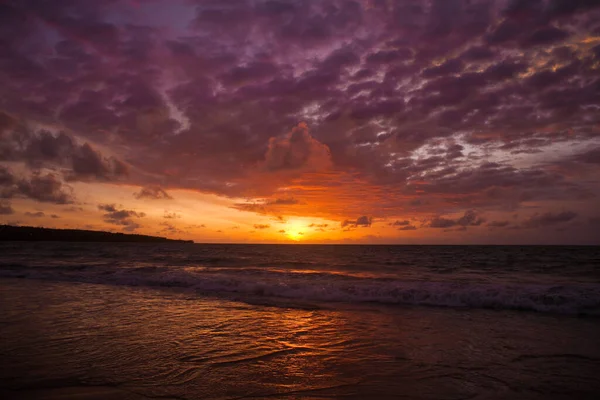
x: 328, y: 121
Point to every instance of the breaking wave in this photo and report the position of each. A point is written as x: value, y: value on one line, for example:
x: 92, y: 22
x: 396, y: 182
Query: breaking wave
x: 581, y: 298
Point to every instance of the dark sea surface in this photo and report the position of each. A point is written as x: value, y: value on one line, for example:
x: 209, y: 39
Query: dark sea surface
x: 191, y: 321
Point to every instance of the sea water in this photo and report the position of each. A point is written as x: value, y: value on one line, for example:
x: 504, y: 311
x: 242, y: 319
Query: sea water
x: 298, y: 321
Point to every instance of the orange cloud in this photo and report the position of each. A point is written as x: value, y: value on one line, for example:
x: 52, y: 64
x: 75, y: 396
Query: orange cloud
x: 297, y: 151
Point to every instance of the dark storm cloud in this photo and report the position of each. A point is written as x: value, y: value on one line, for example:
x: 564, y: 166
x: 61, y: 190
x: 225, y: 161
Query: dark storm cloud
x: 548, y: 219
x: 41, y: 187
x: 589, y: 157
x: 470, y: 218
x: 440, y: 222
x: 45, y: 188
x: 477, y: 53
x: 6, y: 177
x: 557, y: 8
x: 492, y: 175
x: 115, y: 215
x: 152, y: 192
x: 46, y: 149
x: 547, y: 35
x: 88, y: 163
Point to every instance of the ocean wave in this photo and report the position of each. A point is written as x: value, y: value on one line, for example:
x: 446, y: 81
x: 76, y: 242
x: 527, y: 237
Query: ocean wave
x: 325, y: 287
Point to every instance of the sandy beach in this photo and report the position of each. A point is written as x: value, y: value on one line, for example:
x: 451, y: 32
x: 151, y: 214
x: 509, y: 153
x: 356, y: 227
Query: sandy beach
x: 88, y: 341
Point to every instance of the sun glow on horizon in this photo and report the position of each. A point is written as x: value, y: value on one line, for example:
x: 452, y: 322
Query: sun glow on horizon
x: 295, y: 230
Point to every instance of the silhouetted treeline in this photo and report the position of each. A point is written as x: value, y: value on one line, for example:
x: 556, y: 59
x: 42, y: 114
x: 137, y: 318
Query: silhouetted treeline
x: 29, y: 233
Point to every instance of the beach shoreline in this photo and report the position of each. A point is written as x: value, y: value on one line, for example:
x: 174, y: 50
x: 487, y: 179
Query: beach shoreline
x: 122, y: 341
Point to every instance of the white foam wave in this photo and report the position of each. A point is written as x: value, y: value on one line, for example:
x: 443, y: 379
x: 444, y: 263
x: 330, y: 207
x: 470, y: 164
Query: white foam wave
x: 564, y: 299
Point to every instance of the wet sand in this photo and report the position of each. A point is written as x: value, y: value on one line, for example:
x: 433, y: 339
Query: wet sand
x: 88, y: 341
x: 71, y: 393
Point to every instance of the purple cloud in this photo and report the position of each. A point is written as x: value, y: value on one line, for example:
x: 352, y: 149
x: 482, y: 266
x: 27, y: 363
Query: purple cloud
x: 37, y: 214
x: 471, y: 105
x: 153, y: 193
x: 548, y: 219
x: 6, y: 208
x: 43, y: 188
x: 470, y: 218
x: 498, y: 224
x: 122, y: 217
x: 296, y: 150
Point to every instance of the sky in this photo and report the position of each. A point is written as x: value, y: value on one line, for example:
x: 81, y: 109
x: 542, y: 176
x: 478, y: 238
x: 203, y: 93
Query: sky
x: 304, y: 121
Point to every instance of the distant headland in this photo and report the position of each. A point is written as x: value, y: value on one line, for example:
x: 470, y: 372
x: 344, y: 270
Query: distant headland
x: 34, y: 234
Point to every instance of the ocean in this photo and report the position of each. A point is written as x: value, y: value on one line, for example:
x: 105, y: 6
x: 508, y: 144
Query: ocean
x: 199, y: 321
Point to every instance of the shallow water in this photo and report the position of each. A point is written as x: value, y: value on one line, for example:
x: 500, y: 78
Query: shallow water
x: 535, y: 278
x: 150, y: 343
x: 207, y: 322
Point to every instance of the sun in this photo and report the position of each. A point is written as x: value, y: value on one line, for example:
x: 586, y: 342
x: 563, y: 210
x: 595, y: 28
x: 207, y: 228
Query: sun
x: 295, y: 235
x: 295, y: 230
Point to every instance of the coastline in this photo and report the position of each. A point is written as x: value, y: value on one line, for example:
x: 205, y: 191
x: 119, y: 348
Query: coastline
x: 181, y: 345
